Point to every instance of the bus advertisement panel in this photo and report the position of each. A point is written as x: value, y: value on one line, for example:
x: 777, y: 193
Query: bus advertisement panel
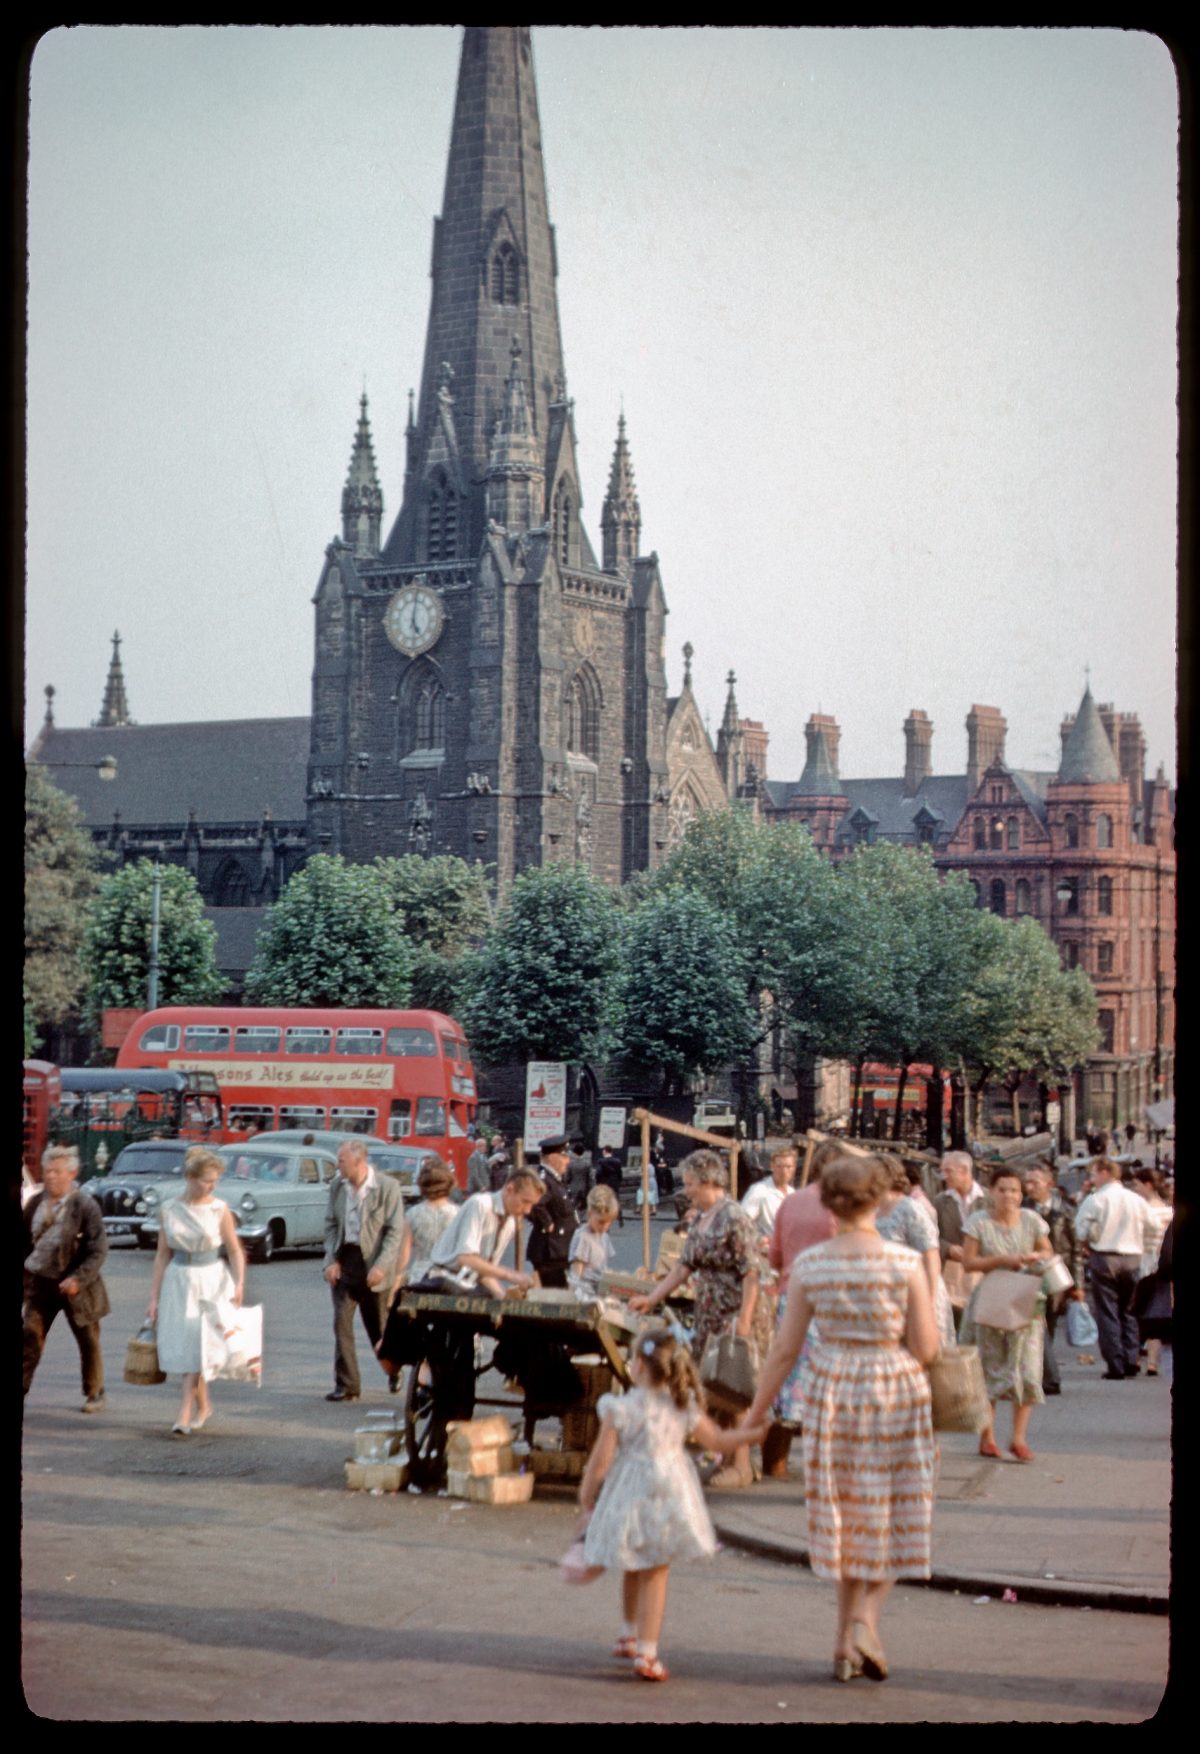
x: 403, y: 1075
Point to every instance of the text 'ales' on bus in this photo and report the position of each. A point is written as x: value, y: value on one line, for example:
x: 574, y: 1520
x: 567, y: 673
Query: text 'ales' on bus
x: 395, y: 1074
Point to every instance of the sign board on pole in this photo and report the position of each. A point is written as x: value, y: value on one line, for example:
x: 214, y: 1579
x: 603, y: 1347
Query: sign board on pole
x: 611, y: 1136
x: 545, y: 1101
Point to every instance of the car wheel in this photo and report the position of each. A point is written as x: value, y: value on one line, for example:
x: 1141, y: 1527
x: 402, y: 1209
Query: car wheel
x: 266, y: 1247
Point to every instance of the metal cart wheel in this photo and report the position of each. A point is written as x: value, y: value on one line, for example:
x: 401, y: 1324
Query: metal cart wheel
x: 429, y: 1406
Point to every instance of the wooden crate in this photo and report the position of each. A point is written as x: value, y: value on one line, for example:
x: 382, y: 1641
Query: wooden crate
x: 499, y: 1489
x: 464, y: 1437
x: 557, y: 1464
x: 389, y: 1476
x: 581, y: 1427
x: 375, y: 1444
x: 597, y: 1378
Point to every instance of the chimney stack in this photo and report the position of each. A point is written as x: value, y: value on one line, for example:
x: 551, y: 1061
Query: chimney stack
x: 918, y: 750
x: 986, y: 731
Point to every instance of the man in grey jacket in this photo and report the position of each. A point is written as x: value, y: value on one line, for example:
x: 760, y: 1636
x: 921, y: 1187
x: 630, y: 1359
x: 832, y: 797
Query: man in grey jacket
x: 364, y: 1228
x: 65, y: 1248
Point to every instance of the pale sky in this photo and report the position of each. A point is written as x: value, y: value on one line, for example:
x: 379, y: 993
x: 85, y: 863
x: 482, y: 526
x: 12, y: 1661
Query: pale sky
x: 891, y: 314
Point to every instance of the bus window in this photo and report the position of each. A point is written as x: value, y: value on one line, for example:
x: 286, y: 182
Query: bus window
x: 400, y: 1120
x: 353, y: 1120
x: 457, y: 1128
x: 451, y: 1048
x: 256, y: 1041
x: 248, y: 1118
x: 162, y: 1039
x: 307, y: 1041
x: 411, y: 1043
x: 304, y: 1118
x: 431, y: 1115
x: 206, y: 1038
x: 361, y: 1042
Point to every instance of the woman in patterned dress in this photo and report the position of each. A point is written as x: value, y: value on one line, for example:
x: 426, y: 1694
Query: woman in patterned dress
x: 868, y: 1438
x: 721, y: 1258
x: 1011, y: 1236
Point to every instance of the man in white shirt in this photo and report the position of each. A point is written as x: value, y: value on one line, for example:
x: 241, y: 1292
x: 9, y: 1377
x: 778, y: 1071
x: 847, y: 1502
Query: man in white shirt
x: 468, y: 1251
x: 763, y: 1198
x: 1111, y: 1221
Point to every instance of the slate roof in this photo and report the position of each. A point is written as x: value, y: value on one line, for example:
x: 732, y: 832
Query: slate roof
x: 227, y: 771
x: 237, y: 935
x: 944, y: 796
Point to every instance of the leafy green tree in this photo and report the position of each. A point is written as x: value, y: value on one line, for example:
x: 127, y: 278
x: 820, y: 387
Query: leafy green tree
x: 442, y: 902
x: 682, y: 989
x: 543, y: 985
x: 332, y: 938
x: 60, y: 883
x: 116, y: 948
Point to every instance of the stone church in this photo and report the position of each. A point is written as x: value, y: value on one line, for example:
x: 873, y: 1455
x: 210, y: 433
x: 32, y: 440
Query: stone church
x: 483, y: 683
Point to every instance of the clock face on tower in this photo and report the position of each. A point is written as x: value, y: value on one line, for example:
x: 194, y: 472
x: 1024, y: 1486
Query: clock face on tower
x: 413, y: 619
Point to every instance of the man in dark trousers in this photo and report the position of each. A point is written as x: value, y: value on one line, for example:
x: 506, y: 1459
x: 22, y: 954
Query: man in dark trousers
x: 364, y: 1228
x: 65, y: 1248
x: 610, y: 1174
x: 554, y: 1220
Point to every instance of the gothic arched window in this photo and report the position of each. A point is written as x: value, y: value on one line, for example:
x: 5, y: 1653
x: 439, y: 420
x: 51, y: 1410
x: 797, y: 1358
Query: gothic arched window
x: 422, y: 709
x: 506, y: 276
x: 581, y: 727
x: 441, y: 536
x: 1104, y: 827
x: 1014, y: 833
x: 232, y: 888
x: 999, y: 901
x: 1071, y: 829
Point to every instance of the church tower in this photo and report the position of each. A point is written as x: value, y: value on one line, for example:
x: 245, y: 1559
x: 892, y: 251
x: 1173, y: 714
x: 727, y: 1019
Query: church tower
x: 482, y: 685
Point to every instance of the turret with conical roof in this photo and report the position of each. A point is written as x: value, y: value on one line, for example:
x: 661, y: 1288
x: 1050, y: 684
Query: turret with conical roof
x: 1088, y: 757
x: 362, y: 497
x: 115, y: 709
x: 621, y: 515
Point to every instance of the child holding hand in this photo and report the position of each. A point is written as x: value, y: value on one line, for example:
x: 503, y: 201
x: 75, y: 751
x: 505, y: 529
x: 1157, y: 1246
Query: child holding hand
x: 591, y: 1249
x: 643, y: 1494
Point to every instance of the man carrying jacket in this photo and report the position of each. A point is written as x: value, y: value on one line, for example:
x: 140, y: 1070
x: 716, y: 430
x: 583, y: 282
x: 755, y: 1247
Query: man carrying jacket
x: 65, y: 1248
x: 364, y: 1228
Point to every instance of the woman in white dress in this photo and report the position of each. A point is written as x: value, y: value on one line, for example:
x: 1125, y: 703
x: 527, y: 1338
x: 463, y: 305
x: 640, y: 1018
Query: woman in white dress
x: 189, y: 1275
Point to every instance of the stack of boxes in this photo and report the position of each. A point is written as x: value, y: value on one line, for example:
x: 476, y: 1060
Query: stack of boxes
x: 483, y: 1464
x: 376, y: 1465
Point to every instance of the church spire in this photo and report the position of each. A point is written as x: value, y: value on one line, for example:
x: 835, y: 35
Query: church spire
x: 115, y: 710
x: 729, y: 743
x: 362, y: 498
x: 493, y: 272
x: 621, y: 515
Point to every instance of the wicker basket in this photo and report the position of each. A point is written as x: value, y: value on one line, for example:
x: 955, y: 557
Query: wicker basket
x: 958, y: 1391
x: 141, y: 1358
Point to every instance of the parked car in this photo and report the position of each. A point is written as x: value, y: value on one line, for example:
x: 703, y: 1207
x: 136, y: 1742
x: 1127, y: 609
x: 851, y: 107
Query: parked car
x: 401, y: 1161
x: 278, y: 1192
x: 714, y: 1115
x: 121, y: 1193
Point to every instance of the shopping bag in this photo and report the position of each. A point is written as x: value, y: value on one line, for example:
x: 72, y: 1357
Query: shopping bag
x: 958, y: 1394
x: 231, y: 1342
x: 141, y: 1357
x: 1006, y: 1299
x: 728, y: 1372
x: 1082, y: 1332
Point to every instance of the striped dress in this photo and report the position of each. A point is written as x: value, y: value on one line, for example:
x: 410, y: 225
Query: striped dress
x: 869, y: 1454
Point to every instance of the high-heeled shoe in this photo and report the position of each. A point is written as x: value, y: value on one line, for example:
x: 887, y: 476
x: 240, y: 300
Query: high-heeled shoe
x: 198, y: 1424
x: 874, y: 1662
x: 179, y: 1429
x: 845, y: 1670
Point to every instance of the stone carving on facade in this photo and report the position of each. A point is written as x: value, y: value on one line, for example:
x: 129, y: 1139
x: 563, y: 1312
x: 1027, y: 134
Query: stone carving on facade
x: 583, y: 825
x: 420, y: 824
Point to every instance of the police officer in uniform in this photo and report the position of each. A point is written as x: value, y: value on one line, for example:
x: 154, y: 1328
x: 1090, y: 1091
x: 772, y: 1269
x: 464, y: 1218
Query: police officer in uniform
x: 553, y: 1221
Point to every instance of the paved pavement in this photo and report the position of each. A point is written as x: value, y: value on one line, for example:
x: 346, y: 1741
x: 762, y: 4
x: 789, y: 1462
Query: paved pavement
x: 1086, y: 1523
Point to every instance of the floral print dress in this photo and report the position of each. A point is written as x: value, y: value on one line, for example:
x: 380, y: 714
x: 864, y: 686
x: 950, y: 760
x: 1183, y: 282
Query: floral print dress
x: 1011, y: 1358
x: 721, y: 1250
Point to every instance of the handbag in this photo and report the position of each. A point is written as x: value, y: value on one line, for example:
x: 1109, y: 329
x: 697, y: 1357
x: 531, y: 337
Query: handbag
x: 573, y: 1566
x: 728, y: 1372
x: 1006, y: 1299
x: 1082, y: 1332
x: 141, y: 1357
x: 231, y: 1342
x: 1057, y: 1276
x: 957, y: 1391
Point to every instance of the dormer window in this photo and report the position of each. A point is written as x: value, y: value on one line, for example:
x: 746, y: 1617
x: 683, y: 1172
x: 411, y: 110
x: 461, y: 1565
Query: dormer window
x: 506, y: 276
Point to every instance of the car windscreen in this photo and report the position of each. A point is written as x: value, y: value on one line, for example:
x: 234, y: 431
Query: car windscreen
x: 155, y: 1163
x: 242, y: 1166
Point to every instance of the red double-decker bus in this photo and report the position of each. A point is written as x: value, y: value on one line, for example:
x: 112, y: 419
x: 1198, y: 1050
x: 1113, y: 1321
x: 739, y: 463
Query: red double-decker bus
x: 397, y: 1074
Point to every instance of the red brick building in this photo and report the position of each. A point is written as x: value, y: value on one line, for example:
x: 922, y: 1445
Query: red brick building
x: 1088, y: 851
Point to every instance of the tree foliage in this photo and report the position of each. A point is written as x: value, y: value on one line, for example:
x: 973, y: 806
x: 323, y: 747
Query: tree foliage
x: 441, y: 902
x: 682, y: 988
x: 60, y: 883
x: 116, y: 948
x: 543, y: 985
x: 332, y: 938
